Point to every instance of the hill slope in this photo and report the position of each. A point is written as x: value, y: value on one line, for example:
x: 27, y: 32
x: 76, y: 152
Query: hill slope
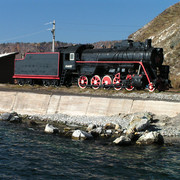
x: 164, y: 31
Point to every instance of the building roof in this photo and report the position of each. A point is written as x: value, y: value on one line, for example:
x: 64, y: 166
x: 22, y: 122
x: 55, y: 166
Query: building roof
x: 8, y: 54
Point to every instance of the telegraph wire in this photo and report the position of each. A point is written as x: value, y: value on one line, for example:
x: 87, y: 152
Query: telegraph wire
x: 23, y: 36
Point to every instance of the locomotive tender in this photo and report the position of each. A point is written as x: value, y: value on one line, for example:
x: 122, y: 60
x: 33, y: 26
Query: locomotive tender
x: 126, y: 65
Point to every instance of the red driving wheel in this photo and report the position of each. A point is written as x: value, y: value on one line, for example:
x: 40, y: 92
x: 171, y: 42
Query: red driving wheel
x: 95, y: 82
x: 82, y: 82
x: 117, y: 82
x: 151, y: 87
x: 106, y: 81
x: 130, y: 87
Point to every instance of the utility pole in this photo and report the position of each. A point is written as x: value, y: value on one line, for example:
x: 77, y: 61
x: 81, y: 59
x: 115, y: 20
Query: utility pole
x: 53, y: 33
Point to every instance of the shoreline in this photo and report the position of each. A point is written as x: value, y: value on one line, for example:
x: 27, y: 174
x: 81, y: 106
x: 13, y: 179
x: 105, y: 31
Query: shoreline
x: 167, y: 127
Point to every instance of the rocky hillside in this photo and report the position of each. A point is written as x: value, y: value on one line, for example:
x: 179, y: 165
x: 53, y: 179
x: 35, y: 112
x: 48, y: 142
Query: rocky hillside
x: 164, y: 31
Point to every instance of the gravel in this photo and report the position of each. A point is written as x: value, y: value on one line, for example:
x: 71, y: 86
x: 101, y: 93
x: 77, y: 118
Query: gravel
x: 168, y: 126
x: 151, y: 96
x: 122, y: 119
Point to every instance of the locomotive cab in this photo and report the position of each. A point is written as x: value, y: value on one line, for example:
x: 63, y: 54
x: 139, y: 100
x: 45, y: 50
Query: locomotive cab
x: 71, y: 54
x: 68, y: 55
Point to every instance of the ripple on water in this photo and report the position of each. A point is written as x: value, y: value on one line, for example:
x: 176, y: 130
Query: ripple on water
x: 28, y: 154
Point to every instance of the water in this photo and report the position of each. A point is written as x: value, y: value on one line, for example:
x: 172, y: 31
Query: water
x: 28, y: 154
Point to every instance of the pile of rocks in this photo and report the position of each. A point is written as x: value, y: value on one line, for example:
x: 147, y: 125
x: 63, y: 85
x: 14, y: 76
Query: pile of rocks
x: 137, y: 131
x: 11, y: 117
x: 138, y: 128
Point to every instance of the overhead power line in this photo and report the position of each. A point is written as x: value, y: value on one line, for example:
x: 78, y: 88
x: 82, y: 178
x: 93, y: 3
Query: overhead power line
x: 22, y: 36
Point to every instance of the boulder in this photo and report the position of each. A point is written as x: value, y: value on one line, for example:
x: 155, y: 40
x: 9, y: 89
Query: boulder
x: 129, y: 131
x: 150, y: 138
x: 81, y: 135
x: 110, y: 126
x: 97, y: 131
x: 66, y: 129
x: 140, y: 122
x: 15, y: 119
x: 118, y: 127
x: 5, y: 116
x: 119, y: 131
x: 51, y: 129
x: 109, y: 131
x: 91, y: 127
x: 13, y: 113
x: 122, y: 140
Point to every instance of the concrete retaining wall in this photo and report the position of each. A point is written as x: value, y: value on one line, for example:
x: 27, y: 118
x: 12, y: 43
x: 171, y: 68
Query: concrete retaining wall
x: 32, y: 103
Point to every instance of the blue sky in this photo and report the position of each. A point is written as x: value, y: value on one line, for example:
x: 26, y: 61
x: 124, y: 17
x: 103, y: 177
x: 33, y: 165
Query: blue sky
x: 77, y: 21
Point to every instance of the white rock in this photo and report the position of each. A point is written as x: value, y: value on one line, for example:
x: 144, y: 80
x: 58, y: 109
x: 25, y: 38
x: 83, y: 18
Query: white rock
x: 5, y: 116
x: 110, y: 126
x: 15, y: 119
x: 142, y: 124
x: 117, y: 127
x: 97, y: 131
x: 81, y: 135
x: 138, y: 123
x: 122, y: 140
x: 109, y: 131
x: 150, y: 138
x: 91, y: 127
x: 50, y: 129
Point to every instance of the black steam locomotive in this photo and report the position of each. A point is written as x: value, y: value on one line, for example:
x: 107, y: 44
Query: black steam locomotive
x: 126, y: 65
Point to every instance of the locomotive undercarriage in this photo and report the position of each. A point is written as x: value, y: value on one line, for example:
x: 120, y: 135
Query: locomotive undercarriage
x: 134, y: 76
x: 44, y: 82
x: 118, y: 82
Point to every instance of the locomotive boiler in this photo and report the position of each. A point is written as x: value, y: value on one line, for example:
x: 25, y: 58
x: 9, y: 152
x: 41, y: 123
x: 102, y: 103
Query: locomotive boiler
x: 126, y: 65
